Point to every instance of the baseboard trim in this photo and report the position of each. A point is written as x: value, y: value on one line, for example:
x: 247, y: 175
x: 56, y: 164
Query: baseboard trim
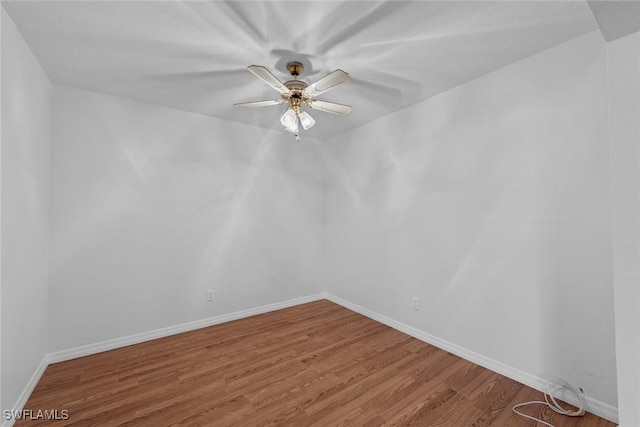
x: 86, y: 350
x: 24, y: 396
x: 594, y: 406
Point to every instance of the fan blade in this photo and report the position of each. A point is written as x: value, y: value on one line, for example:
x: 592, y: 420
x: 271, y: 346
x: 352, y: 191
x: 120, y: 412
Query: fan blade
x: 265, y: 75
x: 329, y: 107
x: 258, y: 104
x: 328, y: 82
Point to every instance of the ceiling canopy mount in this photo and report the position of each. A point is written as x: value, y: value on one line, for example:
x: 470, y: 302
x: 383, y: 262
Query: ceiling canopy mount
x: 295, y: 68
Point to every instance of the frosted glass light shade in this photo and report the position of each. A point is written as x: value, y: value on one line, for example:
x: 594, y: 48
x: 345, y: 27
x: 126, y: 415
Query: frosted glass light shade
x: 290, y: 121
x: 306, y: 120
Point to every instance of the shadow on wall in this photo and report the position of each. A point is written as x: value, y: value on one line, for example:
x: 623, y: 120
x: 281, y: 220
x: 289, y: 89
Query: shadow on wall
x: 489, y: 203
x: 172, y: 204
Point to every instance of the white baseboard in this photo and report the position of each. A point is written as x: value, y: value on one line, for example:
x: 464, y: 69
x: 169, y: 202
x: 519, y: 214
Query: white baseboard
x: 99, y: 347
x: 24, y: 396
x: 594, y: 406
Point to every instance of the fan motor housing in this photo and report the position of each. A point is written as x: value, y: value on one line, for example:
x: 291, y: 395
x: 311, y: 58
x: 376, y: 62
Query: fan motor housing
x: 295, y: 85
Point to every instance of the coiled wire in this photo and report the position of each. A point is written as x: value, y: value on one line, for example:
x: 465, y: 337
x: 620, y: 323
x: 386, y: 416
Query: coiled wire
x: 550, y: 392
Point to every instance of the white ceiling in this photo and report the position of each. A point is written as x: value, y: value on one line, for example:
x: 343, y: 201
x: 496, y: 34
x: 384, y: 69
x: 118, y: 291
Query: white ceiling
x: 192, y: 55
x: 616, y: 18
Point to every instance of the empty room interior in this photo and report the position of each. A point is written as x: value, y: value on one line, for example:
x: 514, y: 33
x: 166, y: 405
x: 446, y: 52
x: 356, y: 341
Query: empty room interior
x: 238, y: 213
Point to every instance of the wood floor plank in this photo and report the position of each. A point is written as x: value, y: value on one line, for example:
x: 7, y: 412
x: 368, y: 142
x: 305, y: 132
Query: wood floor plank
x: 314, y: 364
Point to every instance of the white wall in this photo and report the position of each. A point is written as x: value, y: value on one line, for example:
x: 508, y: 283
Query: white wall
x: 489, y: 203
x: 624, y: 120
x: 26, y: 106
x: 151, y: 207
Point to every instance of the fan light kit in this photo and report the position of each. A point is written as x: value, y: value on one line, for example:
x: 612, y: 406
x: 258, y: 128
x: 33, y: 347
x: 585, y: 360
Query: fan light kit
x: 296, y: 93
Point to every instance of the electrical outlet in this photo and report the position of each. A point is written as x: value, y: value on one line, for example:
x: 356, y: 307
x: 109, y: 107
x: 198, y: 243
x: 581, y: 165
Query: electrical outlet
x: 210, y: 295
x: 415, y: 304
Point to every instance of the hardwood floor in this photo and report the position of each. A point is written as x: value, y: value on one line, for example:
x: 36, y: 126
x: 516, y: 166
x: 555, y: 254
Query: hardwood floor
x: 316, y: 364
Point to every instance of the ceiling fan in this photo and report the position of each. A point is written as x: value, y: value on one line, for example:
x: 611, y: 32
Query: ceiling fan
x: 297, y: 94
